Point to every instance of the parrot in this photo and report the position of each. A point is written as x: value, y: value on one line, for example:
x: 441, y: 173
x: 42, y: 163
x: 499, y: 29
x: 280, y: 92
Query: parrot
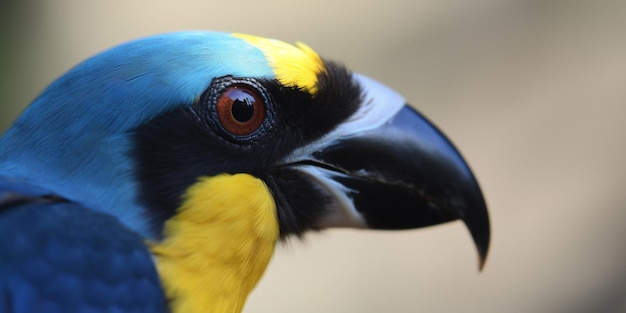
x: 160, y: 175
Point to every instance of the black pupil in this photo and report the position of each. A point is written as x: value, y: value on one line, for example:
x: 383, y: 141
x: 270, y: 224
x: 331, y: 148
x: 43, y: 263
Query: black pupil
x: 243, y: 106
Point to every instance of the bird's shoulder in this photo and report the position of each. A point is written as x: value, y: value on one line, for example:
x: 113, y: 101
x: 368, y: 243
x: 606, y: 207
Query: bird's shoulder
x: 57, y: 256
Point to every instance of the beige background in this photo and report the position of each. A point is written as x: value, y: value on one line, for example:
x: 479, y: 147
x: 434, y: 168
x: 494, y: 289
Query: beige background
x: 532, y: 92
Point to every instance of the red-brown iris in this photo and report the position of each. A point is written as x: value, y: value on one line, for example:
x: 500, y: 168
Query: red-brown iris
x: 240, y: 109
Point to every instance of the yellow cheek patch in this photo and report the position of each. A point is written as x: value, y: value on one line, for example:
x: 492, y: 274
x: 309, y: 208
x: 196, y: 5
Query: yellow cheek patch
x: 294, y: 66
x: 217, y: 246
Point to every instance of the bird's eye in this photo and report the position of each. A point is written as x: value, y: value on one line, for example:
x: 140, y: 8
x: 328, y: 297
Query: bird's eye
x: 240, y: 109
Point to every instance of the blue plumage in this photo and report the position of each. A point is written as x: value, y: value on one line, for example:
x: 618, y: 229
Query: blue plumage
x: 86, y: 251
x: 57, y: 256
x: 100, y: 102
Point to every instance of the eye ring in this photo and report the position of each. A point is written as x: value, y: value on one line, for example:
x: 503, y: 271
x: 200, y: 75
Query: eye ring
x: 240, y: 109
x: 253, y: 118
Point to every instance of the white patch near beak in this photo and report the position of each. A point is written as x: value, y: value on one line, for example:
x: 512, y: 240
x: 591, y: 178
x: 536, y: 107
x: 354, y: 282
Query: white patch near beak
x: 343, y: 212
x: 380, y: 104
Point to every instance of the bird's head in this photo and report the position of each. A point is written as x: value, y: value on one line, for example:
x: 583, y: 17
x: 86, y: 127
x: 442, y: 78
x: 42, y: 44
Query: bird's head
x: 130, y: 130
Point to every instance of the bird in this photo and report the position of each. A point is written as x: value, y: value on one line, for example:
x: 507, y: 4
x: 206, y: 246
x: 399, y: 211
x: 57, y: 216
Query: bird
x: 160, y: 175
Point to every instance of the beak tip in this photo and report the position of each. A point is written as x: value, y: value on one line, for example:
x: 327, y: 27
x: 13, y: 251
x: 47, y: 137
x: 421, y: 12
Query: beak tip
x: 478, y: 226
x: 483, y: 247
x: 482, y: 258
x: 476, y: 219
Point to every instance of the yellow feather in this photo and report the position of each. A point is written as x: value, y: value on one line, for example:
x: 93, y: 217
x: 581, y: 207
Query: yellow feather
x: 294, y: 66
x: 218, y: 245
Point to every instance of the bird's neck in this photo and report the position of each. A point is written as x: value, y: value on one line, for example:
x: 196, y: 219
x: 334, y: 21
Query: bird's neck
x: 218, y: 245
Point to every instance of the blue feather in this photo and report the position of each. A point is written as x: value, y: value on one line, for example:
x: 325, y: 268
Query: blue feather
x: 57, y: 256
x: 74, y: 138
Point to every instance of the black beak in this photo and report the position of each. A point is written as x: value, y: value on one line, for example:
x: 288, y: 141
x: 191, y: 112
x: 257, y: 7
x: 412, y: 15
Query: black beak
x: 400, y: 174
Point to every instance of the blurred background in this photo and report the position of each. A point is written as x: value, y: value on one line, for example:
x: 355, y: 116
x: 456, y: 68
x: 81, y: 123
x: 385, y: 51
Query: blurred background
x: 532, y: 92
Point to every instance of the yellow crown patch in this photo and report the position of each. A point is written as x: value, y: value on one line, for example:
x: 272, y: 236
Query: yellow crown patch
x: 294, y: 66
